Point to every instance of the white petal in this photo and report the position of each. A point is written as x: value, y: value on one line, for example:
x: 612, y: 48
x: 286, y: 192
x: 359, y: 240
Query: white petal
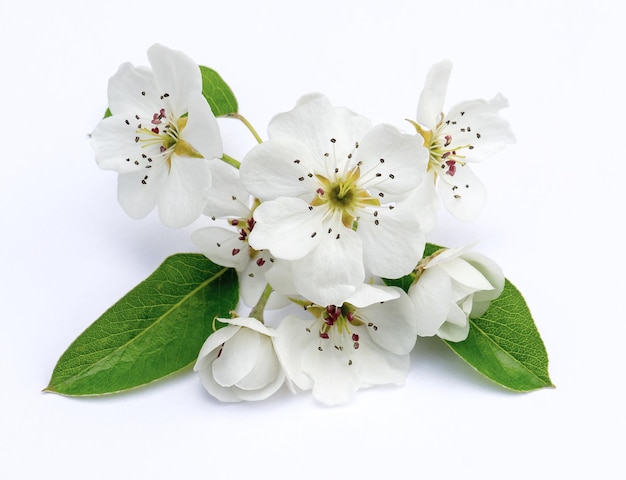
x: 265, y: 370
x: 202, y: 131
x: 279, y: 168
x: 457, y: 327
x: 391, y: 162
x: 366, y: 295
x: 431, y: 296
x: 334, y: 381
x: 222, y: 246
x: 433, y: 95
x: 182, y: 200
x: 176, y: 75
x: 238, y: 357
x: 280, y: 277
x: 115, y: 147
x: 393, y: 241
x: 133, y: 91
x: 261, y: 393
x: 226, y: 197
x: 463, y: 195
x: 252, y: 324
x: 478, y: 123
x: 425, y: 203
x: 332, y: 271
x: 291, y: 341
x: 286, y: 227
x: 137, y: 198
x: 212, y: 342
x: 379, y: 366
x: 464, y: 273
x: 223, y: 394
x: 253, y: 280
x: 395, y: 321
x: 314, y: 122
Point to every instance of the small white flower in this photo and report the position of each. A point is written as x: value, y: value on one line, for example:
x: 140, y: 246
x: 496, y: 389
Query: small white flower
x: 470, y: 132
x: 364, y: 342
x: 238, y: 362
x: 331, y: 189
x: 453, y: 285
x: 160, y: 137
x: 229, y: 247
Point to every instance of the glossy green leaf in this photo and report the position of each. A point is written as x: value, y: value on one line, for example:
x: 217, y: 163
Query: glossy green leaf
x: 217, y: 93
x: 153, y: 331
x: 505, y: 346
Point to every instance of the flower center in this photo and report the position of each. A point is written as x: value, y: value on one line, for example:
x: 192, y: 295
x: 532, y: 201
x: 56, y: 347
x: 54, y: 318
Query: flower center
x: 343, y: 196
x: 244, y: 226
x: 164, y: 133
x: 444, y: 155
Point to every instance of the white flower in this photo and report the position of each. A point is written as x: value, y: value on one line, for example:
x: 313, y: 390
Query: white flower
x: 453, y: 285
x: 160, y: 137
x: 331, y: 189
x: 238, y: 362
x: 362, y: 343
x: 470, y: 132
x: 229, y: 247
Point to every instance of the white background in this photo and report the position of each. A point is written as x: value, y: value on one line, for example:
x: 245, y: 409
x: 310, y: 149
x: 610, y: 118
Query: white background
x: 554, y: 222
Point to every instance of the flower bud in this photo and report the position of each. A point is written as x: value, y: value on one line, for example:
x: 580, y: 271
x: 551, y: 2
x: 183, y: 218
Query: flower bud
x: 238, y: 362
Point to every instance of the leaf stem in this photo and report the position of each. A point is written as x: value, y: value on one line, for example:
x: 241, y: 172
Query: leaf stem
x: 249, y: 126
x: 231, y: 161
x: 257, y: 310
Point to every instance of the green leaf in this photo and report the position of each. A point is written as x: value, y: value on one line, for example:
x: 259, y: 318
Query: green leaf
x: 153, y: 331
x: 504, y: 344
x: 217, y: 93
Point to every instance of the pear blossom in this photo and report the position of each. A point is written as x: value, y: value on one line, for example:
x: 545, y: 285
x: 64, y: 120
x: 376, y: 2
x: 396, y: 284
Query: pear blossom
x: 332, y: 189
x: 228, y: 245
x: 453, y: 285
x: 470, y: 132
x: 364, y: 342
x: 238, y: 362
x: 159, y: 138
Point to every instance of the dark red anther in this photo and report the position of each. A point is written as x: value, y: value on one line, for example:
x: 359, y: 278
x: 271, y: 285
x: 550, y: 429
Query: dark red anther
x: 235, y: 251
x: 260, y: 262
x: 451, y: 167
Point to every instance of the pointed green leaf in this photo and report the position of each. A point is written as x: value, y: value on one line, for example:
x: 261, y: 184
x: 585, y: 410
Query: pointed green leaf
x: 504, y: 344
x: 153, y: 331
x: 217, y: 93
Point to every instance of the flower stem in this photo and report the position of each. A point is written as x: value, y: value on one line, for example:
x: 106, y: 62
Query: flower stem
x: 231, y: 161
x: 257, y: 311
x: 243, y: 120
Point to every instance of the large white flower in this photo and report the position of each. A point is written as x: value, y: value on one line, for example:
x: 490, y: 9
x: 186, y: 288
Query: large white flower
x: 452, y: 286
x: 238, y: 362
x: 470, y: 132
x: 364, y: 342
x: 228, y: 245
x: 331, y: 189
x: 159, y: 138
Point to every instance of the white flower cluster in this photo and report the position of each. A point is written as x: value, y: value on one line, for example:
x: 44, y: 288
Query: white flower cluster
x: 315, y: 216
